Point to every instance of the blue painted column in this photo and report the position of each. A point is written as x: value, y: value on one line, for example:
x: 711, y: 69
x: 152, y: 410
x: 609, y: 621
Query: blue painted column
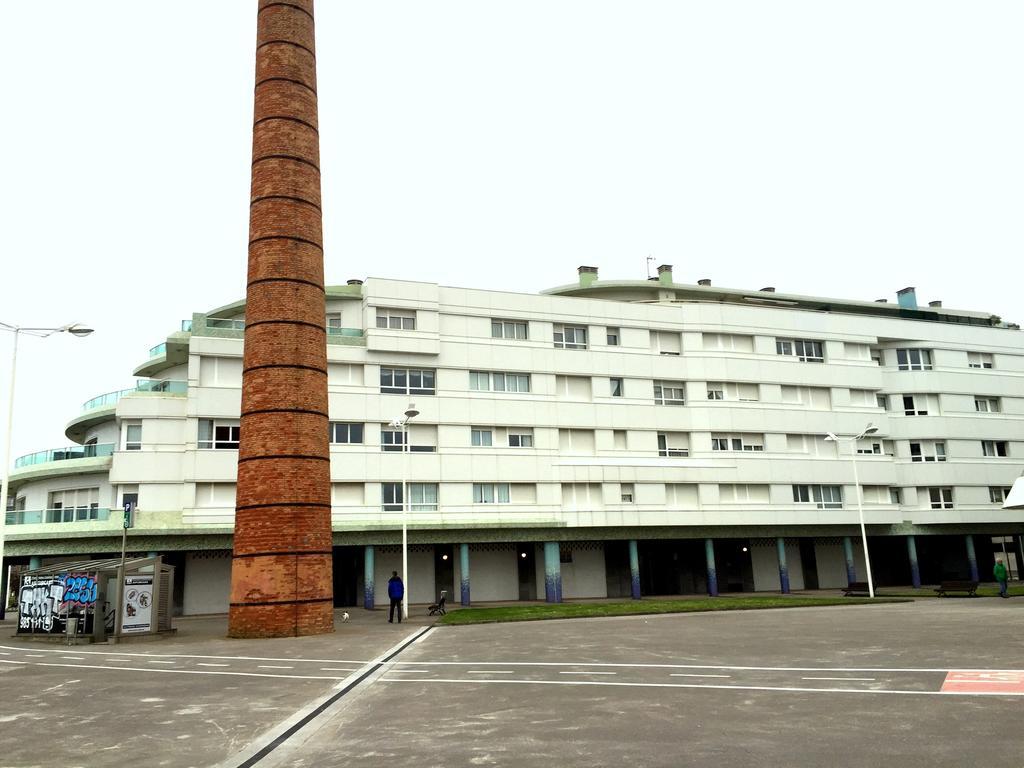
x: 851, y: 569
x: 780, y: 543
x: 368, y: 586
x: 709, y: 554
x: 972, y: 561
x: 152, y: 554
x: 915, y: 571
x: 464, y: 573
x: 634, y: 570
x: 35, y: 562
x: 552, y: 573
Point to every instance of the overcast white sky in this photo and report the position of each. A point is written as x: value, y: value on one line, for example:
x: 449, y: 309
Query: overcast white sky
x: 844, y: 149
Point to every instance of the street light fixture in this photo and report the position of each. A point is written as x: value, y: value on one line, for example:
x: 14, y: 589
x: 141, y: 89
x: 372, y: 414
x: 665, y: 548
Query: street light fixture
x: 75, y: 329
x: 403, y: 424
x: 870, y: 429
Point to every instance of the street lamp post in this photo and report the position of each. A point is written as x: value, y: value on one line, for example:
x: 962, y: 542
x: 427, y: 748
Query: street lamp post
x: 403, y: 424
x: 870, y: 429
x: 75, y: 330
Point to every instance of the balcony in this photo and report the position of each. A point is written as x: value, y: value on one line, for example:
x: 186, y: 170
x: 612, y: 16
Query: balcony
x: 67, y: 515
x: 63, y: 454
x: 159, y: 350
x: 166, y: 387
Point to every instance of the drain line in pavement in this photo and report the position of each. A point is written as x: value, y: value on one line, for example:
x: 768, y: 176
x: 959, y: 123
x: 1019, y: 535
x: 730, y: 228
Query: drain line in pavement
x: 345, y: 688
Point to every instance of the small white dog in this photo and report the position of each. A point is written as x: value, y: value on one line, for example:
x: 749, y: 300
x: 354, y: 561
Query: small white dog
x: 344, y: 616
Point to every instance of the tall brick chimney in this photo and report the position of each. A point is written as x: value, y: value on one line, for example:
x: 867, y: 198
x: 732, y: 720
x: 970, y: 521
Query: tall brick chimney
x: 281, y: 582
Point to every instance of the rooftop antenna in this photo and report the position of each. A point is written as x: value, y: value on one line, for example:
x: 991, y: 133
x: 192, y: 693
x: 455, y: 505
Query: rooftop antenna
x: 650, y: 260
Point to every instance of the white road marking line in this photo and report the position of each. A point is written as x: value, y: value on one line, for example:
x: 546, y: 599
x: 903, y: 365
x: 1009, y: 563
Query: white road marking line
x: 118, y: 661
x: 866, y: 679
x: 5, y: 661
x: 201, y: 664
x: 479, y: 662
x: 261, y: 666
x: 506, y: 681
x: 588, y: 673
x: 420, y: 671
x: 74, y: 658
x: 4, y: 653
x: 36, y: 655
x: 335, y: 669
x: 172, y: 671
x: 200, y: 656
x: 491, y: 672
x: 685, y: 674
x: 158, y: 661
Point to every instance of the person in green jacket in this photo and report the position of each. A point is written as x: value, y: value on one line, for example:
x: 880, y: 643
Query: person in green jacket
x: 999, y: 571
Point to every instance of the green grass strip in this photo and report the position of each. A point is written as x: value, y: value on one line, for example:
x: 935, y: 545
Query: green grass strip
x: 983, y: 591
x: 640, y: 607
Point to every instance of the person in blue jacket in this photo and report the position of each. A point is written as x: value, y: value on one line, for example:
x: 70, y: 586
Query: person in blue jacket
x: 396, y: 591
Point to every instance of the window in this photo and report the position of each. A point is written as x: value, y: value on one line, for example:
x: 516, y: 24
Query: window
x: 913, y: 359
x: 666, y: 342
x: 396, y: 319
x: 673, y: 444
x: 995, y: 448
x: 490, y: 493
x: 411, y: 381
x: 346, y: 433
x: 869, y: 449
x: 882, y: 401
x: 998, y: 494
x: 733, y: 390
x: 915, y: 405
x: 392, y: 439
x: 619, y: 439
x: 626, y: 493
x: 986, y: 404
x: 863, y: 398
x: 565, y: 553
x: 928, y: 451
x: 422, y: 497
x: 613, y: 335
x: 737, y: 442
x: 217, y: 434
x: 895, y: 497
x: 808, y: 397
x: 822, y: 496
x: 728, y: 342
x: 940, y: 498
x: 570, y: 336
x: 979, y: 360
x: 520, y: 439
x: 805, y: 350
x: 573, y: 387
x: 670, y: 392
x: 509, y: 329
x: 740, y: 493
x: 576, y: 441
x: 482, y: 437
x: 485, y: 381
x: 133, y: 437
x: 617, y: 387
x: 73, y: 504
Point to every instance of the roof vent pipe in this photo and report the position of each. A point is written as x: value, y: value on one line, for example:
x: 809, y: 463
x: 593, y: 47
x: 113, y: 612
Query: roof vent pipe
x: 907, y: 298
x: 769, y: 289
x: 935, y: 304
x: 665, y: 274
x: 881, y: 301
x: 706, y: 282
x: 353, y: 282
x: 588, y: 276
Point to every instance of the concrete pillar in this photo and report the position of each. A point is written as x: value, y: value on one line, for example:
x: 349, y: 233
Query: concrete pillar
x: 780, y: 544
x: 709, y: 555
x: 552, y: 573
x: 915, y: 571
x: 464, y: 573
x: 972, y: 560
x: 368, y: 579
x: 634, y: 570
x: 281, y: 570
x: 851, y: 569
x: 35, y: 562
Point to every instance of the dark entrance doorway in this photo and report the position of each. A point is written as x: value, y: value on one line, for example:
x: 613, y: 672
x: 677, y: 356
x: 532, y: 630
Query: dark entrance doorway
x: 616, y: 568
x: 347, y: 563
x: 444, y: 570
x: 527, y: 561
x: 735, y: 565
x: 672, y: 567
x: 809, y: 563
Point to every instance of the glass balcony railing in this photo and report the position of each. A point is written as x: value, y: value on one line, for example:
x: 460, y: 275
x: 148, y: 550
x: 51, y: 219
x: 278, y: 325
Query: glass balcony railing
x: 226, y: 323
x: 337, y: 331
x: 63, y: 454
x: 111, y: 398
x: 186, y: 326
x: 159, y: 349
x: 66, y: 515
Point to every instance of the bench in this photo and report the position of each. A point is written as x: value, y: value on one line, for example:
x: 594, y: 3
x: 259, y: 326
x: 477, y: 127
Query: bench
x: 970, y: 587
x: 856, y: 587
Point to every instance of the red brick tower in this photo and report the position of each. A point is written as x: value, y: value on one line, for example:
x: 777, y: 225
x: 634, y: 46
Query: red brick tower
x: 281, y: 581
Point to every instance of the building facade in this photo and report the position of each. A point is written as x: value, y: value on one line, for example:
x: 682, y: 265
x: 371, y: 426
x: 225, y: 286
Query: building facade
x: 600, y: 439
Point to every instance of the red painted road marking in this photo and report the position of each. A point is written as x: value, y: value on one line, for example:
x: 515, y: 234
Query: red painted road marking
x: 984, y: 682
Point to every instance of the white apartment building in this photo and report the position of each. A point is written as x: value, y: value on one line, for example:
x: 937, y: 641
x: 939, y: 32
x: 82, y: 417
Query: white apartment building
x: 604, y: 438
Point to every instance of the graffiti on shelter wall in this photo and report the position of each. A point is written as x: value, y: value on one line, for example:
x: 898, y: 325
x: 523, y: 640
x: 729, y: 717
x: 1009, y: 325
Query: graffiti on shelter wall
x: 46, y: 602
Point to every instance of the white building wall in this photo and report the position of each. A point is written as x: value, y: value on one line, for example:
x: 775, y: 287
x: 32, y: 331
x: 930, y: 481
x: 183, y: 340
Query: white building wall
x: 585, y: 575
x: 207, y: 582
x: 493, y: 574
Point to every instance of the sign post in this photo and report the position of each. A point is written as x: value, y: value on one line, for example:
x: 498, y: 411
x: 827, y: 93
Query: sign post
x: 129, y: 520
